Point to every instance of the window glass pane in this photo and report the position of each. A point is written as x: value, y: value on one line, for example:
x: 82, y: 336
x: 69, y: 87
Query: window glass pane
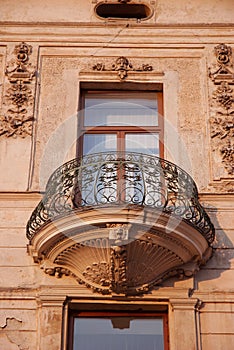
x: 118, y: 333
x: 94, y: 143
x: 142, y: 143
x: 121, y: 108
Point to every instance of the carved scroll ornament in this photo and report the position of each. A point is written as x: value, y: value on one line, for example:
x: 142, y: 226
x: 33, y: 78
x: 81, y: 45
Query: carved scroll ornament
x: 19, y: 97
x: 122, y: 66
x: 222, y: 124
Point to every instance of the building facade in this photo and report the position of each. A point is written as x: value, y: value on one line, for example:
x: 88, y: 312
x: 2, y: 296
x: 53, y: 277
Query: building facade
x: 117, y: 175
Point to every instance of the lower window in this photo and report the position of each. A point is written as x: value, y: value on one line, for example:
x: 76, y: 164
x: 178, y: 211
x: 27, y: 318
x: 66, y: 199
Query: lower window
x: 118, y: 331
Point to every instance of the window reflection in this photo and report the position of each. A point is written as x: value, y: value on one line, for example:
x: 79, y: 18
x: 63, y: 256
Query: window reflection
x: 142, y: 143
x: 94, y: 143
x: 121, y: 108
x: 118, y: 333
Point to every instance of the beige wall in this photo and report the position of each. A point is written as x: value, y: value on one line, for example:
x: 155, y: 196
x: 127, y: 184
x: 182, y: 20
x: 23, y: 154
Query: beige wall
x: 67, y: 40
x: 166, y: 11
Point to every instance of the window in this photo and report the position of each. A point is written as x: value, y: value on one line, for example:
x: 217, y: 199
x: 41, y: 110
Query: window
x: 123, y: 11
x: 118, y: 330
x: 122, y: 121
x: 119, y: 122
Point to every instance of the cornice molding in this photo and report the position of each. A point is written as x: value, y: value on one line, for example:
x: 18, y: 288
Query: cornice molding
x: 118, y: 23
x: 20, y: 196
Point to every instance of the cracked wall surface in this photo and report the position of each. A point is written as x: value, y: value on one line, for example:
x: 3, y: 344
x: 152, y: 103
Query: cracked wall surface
x: 11, y: 336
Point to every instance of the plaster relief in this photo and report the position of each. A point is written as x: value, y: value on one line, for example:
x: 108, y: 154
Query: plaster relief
x: 17, y: 118
x: 223, y: 69
x: 223, y: 96
x: 222, y: 108
x: 122, y: 66
x: 120, y: 262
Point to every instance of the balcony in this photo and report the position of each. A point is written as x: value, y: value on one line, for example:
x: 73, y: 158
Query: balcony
x: 120, y: 223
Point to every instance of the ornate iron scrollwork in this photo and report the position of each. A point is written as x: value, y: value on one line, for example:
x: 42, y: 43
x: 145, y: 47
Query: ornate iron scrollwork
x: 121, y: 178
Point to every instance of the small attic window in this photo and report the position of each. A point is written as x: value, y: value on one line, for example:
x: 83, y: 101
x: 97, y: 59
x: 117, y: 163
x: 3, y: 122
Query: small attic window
x: 123, y: 11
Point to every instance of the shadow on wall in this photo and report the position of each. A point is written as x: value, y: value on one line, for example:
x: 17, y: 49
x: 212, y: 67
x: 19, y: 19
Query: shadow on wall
x: 221, y: 260
x: 209, y: 276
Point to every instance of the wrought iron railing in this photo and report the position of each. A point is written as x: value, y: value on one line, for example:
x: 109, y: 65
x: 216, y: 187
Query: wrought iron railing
x: 116, y: 178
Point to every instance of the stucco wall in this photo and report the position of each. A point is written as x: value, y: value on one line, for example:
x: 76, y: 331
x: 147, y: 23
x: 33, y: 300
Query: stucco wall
x: 67, y: 40
x: 167, y: 11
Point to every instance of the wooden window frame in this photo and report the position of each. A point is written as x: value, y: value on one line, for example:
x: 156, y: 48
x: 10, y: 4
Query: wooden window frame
x: 105, y: 314
x: 120, y: 131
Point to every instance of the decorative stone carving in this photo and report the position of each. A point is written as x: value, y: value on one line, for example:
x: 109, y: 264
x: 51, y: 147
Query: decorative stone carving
x: 222, y: 127
x: 125, y: 269
x: 228, y: 157
x: 223, y: 70
x: 222, y: 130
x: 98, y: 272
x: 223, y: 187
x: 224, y: 97
x: 19, y: 97
x: 118, y: 232
x: 20, y: 69
x: 222, y: 124
x: 118, y: 269
x: 56, y: 271
x: 122, y: 66
x: 223, y: 53
x: 124, y: 249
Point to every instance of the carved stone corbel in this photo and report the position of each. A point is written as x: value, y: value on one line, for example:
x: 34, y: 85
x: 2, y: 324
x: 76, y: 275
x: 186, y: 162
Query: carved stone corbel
x: 125, y: 252
x: 19, y: 97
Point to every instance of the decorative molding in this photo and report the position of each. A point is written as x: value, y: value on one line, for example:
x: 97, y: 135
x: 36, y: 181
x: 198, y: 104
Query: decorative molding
x: 128, y: 251
x: 98, y: 272
x: 124, y: 1
x: 118, y: 269
x: 19, y: 97
x: 56, y: 271
x: 223, y: 70
x: 122, y: 66
x: 228, y: 157
x: 20, y: 68
x: 126, y: 269
x: 224, y: 98
x: 129, y: 269
x: 222, y: 124
x: 222, y: 129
